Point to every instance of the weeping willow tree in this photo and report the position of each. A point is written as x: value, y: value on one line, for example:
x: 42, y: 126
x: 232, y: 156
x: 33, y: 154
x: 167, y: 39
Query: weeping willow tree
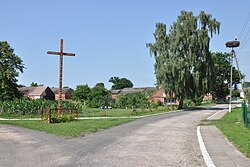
x: 183, y: 62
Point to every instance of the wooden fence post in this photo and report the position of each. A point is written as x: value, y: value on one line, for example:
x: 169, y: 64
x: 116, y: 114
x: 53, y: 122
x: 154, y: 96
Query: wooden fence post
x: 49, y: 116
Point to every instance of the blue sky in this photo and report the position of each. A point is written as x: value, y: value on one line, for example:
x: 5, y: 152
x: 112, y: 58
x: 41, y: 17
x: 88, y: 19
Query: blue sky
x: 108, y: 37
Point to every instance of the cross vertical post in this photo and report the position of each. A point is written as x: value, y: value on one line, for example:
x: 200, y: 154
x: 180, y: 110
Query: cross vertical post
x: 61, y: 54
x: 60, y: 77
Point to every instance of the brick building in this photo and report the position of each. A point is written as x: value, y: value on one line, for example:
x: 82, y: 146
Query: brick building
x: 38, y: 92
x: 66, y: 93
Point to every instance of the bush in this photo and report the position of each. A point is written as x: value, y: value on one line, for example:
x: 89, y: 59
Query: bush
x: 133, y: 100
x: 157, y: 104
x: 55, y: 118
x: 221, y: 101
x: 188, y: 103
x: 198, y: 100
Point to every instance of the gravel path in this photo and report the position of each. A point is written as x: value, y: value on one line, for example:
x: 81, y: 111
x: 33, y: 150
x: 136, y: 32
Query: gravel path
x: 164, y: 140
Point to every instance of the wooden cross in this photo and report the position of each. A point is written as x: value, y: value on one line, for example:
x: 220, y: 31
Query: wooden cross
x: 61, y: 53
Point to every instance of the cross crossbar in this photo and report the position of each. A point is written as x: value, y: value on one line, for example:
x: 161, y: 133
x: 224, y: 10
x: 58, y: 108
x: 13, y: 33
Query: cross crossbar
x: 58, y: 53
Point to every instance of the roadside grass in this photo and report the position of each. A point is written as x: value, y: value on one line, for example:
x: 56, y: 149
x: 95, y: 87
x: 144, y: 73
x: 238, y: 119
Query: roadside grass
x: 232, y: 126
x: 207, y: 103
x: 70, y: 129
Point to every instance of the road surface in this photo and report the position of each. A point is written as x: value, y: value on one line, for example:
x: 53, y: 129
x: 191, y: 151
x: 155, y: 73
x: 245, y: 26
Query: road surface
x: 164, y: 140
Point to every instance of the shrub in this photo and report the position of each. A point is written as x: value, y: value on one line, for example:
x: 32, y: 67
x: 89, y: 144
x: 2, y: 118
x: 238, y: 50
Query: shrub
x: 157, y: 104
x: 55, y: 118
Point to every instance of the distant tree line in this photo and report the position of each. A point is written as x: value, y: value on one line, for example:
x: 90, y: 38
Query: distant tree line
x: 99, y: 96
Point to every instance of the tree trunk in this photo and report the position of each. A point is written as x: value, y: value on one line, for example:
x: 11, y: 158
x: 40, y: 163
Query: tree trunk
x: 180, y: 104
x: 133, y: 108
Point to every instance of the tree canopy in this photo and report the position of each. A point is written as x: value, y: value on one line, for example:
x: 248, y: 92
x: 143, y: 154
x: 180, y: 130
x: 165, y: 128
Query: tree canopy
x: 183, y: 63
x: 34, y: 84
x: 100, y: 84
x: 81, y: 93
x: 120, y: 83
x: 99, y: 96
x: 10, y: 67
x: 93, y: 97
x: 247, y: 85
x: 222, y: 75
x: 133, y: 100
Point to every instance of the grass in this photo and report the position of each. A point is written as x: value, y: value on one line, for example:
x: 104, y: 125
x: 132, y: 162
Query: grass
x: 70, y: 129
x: 18, y: 116
x: 122, y: 112
x: 232, y: 126
x: 207, y: 104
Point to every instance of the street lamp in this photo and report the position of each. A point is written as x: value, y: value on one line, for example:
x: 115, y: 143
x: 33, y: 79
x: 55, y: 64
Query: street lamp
x: 232, y: 44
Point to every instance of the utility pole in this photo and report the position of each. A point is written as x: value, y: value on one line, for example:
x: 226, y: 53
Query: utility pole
x: 61, y: 53
x: 231, y: 80
x: 232, y: 44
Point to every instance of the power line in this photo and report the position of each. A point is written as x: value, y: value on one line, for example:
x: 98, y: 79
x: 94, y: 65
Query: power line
x: 242, y: 32
x: 245, y: 36
x: 242, y: 46
x: 244, y: 26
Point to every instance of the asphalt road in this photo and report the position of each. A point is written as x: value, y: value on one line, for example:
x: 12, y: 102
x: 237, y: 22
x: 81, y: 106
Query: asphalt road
x: 164, y: 140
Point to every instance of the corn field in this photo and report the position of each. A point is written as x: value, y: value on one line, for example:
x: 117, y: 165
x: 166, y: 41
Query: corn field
x: 32, y: 107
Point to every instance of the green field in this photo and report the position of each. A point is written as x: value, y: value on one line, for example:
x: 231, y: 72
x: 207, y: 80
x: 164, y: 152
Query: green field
x: 233, y: 128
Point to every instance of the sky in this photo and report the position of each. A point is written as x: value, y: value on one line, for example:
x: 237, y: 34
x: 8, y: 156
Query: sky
x: 108, y: 37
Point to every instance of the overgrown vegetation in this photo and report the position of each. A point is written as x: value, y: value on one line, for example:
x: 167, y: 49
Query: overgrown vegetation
x: 233, y: 127
x: 59, y: 118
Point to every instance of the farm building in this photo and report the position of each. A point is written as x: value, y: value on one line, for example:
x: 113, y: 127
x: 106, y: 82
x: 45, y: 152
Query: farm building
x: 115, y: 93
x: 208, y: 96
x: 124, y: 91
x: 66, y: 93
x: 168, y: 99
x: 38, y: 92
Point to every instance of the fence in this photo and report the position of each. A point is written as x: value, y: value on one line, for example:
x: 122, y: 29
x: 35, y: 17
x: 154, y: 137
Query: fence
x: 245, y: 114
x: 48, y: 113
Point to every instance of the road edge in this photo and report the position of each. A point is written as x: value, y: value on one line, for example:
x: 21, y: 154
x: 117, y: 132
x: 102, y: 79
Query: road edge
x: 209, y: 162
